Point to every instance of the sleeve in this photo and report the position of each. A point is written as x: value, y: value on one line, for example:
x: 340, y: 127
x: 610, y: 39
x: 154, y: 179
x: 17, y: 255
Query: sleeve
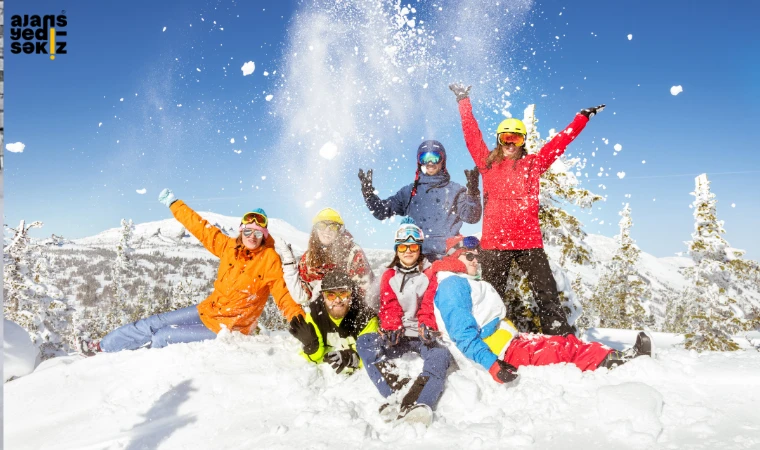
x: 391, y: 311
x: 426, y: 313
x: 319, y: 355
x: 210, y: 236
x: 294, y: 284
x: 455, y: 305
x: 279, y: 290
x: 469, y: 207
x: 395, y: 204
x: 556, y: 147
x: 473, y: 138
x: 306, y: 276
x: 360, y: 271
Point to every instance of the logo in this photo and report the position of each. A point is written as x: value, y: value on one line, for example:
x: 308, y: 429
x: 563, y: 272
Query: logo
x: 39, y: 35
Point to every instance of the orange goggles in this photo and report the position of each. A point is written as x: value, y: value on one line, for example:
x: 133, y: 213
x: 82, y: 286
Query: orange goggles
x: 402, y: 248
x: 511, y: 138
x: 337, y: 296
x: 254, y: 217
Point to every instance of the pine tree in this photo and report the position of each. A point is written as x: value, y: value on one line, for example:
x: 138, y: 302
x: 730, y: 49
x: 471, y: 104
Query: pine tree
x: 713, y: 308
x: 122, y: 267
x: 620, y: 291
x: 31, y: 302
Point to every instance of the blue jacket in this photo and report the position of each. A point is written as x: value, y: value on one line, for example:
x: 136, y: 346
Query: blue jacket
x: 439, y: 208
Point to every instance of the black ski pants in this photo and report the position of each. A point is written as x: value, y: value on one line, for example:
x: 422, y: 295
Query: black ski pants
x: 496, y: 265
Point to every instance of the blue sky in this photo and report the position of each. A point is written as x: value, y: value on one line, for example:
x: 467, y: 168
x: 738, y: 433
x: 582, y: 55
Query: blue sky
x: 80, y: 178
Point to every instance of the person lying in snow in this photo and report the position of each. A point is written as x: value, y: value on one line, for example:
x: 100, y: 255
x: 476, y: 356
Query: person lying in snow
x: 511, y: 229
x: 337, y: 317
x: 471, y: 315
x: 437, y: 204
x: 249, y: 270
x: 408, y: 325
x: 331, y: 247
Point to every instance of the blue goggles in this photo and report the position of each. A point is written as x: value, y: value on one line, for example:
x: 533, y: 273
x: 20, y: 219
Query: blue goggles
x: 469, y: 243
x: 430, y: 158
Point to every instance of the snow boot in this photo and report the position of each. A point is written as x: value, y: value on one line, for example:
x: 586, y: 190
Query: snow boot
x: 88, y: 347
x: 417, y: 413
x: 644, y: 346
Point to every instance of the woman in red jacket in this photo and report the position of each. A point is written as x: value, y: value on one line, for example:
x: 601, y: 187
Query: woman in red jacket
x: 511, y: 230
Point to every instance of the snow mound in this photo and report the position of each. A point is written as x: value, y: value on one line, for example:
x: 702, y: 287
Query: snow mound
x: 19, y: 354
x: 632, y: 411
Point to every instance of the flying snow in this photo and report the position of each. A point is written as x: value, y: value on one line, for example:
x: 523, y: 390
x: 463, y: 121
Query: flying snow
x: 99, y: 124
x: 163, y: 29
x: 15, y: 147
x: 269, y: 97
x: 237, y: 151
x: 630, y: 36
x: 248, y: 68
x: 232, y: 140
x: 733, y: 205
x: 141, y: 191
x: 621, y: 175
x: 618, y: 147
x: 675, y: 90
x: 328, y: 151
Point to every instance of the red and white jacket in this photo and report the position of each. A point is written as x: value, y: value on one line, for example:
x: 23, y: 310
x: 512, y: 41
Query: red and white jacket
x: 401, y: 301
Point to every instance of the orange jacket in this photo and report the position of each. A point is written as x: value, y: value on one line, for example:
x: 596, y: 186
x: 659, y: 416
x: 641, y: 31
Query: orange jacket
x: 244, y: 280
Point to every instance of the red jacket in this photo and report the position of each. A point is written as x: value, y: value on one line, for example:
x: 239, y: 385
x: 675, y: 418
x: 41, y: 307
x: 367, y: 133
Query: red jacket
x: 401, y: 301
x: 510, y: 191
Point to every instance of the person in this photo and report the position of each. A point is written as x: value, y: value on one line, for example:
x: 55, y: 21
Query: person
x: 407, y: 325
x: 437, y: 204
x: 472, y: 317
x: 336, y: 318
x: 249, y: 271
x: 511, y: 230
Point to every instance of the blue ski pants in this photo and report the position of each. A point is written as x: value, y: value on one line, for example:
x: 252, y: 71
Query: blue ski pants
x: 182, y: 325
x: 436, y: 360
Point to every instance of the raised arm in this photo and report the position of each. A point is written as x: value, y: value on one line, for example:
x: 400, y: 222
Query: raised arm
x: 473, y: 138
x: 383, y: 209
x: 556, y: 147
x: 210, y: 236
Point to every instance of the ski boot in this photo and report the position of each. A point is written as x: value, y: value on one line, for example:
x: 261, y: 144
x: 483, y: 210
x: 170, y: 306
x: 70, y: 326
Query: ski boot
x: 411, y: 411
x: 88, y: 347
x: 644, y: 346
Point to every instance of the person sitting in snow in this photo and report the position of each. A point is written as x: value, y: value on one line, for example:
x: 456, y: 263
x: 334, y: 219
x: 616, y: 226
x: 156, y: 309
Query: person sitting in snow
x: 408, y: 325
x: 331, y: 247
x: 471, y: 315
x: 336, y: 318
x: 511, y: 229
x: 249, y: 271
x: 437, y: 204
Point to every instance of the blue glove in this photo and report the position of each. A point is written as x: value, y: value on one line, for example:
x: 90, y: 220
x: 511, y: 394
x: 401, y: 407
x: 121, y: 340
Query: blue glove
x: 167, y: 197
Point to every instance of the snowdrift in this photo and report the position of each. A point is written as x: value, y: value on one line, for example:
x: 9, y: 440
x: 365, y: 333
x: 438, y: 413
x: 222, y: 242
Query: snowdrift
x: 256, y: 392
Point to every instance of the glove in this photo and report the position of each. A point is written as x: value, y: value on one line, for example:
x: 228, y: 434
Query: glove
x: 167, y: 197
x: 391, y: 337
x: 591, y: 112
x: 428, y: 335
x: 285, y: 251
x: 340, y: 359
x: 367, y: 188
x: 304, y: 332
x: 460, y: 91
x: 473, y: 178
x: 503, y: 372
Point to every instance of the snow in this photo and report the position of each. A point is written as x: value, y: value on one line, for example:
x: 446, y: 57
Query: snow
x: 630, y: 36
x: 141, y: 191
x: 248, y: 68
x: 19, y: 354
x: 618, y: 147
x: 621, y: 175
x: 328, y: 151
x: 15, y: 147
x: 269, y: 97
x: 232, y: 140
x: 256, y: 391
x: 163, y: 29
x: 99, y: 124
x: 675, y: 90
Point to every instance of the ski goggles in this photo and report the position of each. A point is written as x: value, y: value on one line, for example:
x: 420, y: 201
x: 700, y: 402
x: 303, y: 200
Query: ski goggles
x: 247, y: 232
x: 471, y: 256
x: 469, y: 243
x: 254, y: 217
x: 430, y: 158
x: 330, y: 226
x: 402, y: 248
x: 511, y: 138
x: 409, y: 234
x: 339, y: 295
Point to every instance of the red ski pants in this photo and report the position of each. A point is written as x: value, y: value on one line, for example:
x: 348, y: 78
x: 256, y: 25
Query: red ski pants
x: 540, y: 350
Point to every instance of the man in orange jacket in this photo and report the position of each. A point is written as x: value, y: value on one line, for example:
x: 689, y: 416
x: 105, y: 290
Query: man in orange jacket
x: 249, y: 270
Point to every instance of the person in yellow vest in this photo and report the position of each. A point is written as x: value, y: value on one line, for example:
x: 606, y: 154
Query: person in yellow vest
x: 249, y: 271
x: 336, y: 318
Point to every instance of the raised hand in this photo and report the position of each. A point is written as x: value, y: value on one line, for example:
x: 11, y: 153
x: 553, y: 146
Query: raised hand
x: 591, y: 112
x: 460, y: 90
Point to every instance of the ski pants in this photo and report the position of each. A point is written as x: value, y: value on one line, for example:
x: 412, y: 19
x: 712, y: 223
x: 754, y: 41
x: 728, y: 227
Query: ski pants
x: 541, y: 350
x: 182, y: 325
x: 436, y: 360
x: 496, y: 265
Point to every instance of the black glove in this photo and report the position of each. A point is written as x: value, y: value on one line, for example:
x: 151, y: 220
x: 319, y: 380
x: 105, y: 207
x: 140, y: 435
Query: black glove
x: 473, y: 178
x: 391, y: 337
x: 503, y: 372
x: 340, y: 359
x: 428, y: 335
x: 591, y: 112
x: 367, y: 188
x: 304, y: 332
x: 460, y: 91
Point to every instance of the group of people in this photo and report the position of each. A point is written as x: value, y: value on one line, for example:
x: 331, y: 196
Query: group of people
x: 441, y: 297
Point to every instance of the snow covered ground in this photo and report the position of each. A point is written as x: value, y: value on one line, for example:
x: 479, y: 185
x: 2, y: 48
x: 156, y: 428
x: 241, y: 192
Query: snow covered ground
x: 256, y: 392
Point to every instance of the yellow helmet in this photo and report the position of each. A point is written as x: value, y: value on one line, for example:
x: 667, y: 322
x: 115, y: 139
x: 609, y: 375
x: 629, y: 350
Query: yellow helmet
x: 511, y: 126
x: 327, y: 215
